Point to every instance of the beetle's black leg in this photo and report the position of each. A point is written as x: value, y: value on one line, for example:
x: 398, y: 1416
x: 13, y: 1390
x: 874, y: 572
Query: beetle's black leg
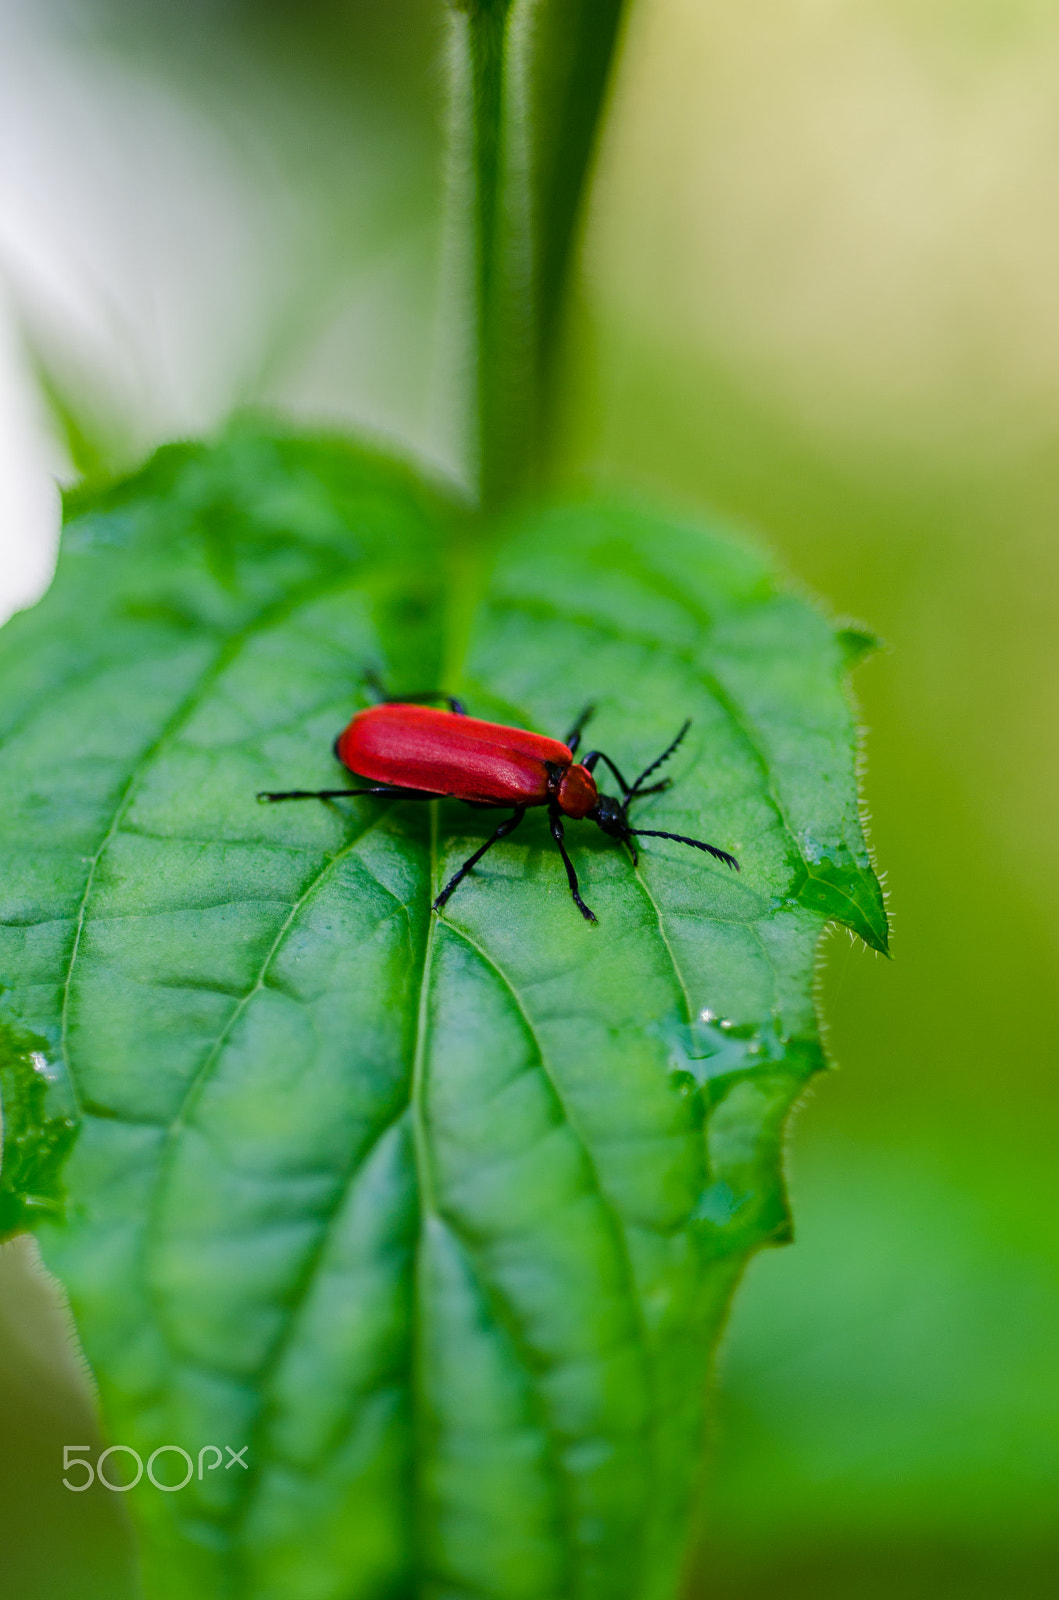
x: 594, y: 757
x: 343, y: 794
x: 506, y: 827
x: 457, y: 707
x: 573, y: 738
x: 571, y: 876
x: 373, y: 681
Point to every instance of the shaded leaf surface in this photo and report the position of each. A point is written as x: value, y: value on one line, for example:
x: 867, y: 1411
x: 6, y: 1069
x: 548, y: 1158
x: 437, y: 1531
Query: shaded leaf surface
x: 439, y: 1216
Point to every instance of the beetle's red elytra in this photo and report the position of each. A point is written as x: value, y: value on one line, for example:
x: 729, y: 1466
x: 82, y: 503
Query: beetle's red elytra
x: 413, y: 751
x: 440, y: 752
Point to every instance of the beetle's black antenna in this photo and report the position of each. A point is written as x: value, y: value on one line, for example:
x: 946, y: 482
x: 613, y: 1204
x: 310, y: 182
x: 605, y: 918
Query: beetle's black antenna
x: 639, y: 791
x: 681, y: 838
x: 637, y: 788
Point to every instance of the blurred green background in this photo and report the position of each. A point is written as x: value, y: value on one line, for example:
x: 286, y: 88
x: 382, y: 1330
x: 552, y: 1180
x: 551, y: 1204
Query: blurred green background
x: 821, y: 294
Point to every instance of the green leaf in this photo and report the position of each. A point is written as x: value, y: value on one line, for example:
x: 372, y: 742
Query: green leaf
x: 439, y: 1216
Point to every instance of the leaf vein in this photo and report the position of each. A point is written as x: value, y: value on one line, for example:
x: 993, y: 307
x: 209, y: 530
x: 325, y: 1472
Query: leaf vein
x: 229, y: 648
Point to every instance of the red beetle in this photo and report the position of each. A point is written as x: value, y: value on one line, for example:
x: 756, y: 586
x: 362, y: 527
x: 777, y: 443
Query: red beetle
x: 417, y: 752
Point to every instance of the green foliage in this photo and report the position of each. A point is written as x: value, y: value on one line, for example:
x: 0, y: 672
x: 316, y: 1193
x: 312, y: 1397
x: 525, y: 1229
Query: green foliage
x: 439, y: 1215
x: 35, y: 1142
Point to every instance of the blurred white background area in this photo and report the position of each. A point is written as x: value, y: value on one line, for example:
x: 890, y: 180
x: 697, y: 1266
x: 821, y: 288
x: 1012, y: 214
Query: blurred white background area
x: 193, y: 220
x: 30, y: 462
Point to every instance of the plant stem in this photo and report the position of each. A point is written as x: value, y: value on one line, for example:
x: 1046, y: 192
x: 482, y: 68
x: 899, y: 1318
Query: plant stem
x: 577, y: 43
x: 535, y: 75
x: 504, y: 384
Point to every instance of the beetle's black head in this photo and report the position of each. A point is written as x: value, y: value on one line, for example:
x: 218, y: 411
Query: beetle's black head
x: 610, y: 814
x: 613, y: 815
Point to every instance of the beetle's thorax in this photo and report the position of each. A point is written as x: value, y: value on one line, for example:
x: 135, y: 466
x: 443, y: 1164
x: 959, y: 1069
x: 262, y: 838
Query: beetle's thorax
x: 577, y: 793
